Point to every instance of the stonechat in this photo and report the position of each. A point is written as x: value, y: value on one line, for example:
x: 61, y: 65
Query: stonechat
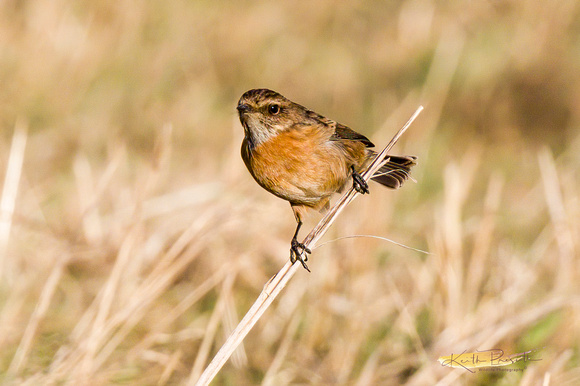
x: 304, y: 157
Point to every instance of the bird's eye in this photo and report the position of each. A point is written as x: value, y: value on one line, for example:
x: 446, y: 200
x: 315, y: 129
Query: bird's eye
x: 274, y: 109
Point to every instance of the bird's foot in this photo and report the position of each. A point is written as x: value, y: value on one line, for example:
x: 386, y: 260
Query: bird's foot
x: 358, y: 183
x: 298, y: 252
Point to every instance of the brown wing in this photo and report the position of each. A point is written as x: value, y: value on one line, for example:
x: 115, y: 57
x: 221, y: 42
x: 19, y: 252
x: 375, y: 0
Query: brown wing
x: 339, y: 131
x: 343, y: 132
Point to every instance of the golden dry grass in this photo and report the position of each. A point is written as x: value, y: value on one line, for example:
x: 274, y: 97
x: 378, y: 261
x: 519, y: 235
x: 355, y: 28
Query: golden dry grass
x: 132, y: 239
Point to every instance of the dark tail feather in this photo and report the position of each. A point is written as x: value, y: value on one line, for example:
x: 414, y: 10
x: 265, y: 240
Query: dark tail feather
x: 396, y: 171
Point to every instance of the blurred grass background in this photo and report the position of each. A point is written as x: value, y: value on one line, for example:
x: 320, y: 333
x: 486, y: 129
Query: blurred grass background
x: 132, y: 239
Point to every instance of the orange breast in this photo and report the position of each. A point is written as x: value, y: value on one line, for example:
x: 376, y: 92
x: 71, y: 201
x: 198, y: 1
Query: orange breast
x: 301, y: 166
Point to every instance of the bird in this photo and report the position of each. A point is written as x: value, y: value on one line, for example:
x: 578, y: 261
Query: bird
x: 304, y: 158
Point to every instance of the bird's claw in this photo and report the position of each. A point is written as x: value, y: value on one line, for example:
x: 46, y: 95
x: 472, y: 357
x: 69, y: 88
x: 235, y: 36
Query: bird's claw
x: 358, y: 183
x: 298, y: 252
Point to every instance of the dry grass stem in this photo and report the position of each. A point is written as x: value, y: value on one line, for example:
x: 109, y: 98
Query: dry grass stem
x: 557, y: 210
x: 371, y: 237
x: 279, y: 281
x: 38, y: 315
x: 10, y: 190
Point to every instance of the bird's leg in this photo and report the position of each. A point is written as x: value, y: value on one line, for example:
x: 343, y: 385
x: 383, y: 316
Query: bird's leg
x: 358, y: 183
x: 298, y: 251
